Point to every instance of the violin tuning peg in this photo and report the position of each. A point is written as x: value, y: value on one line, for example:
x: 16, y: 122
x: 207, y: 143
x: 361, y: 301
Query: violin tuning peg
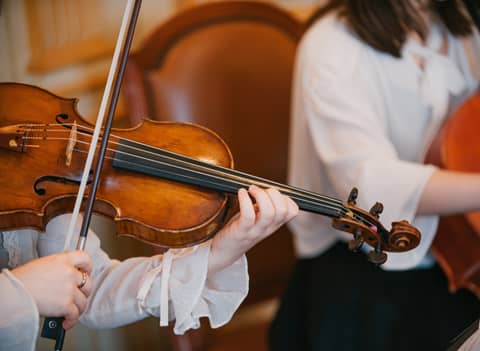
x: 355, y: 244
x: 377, y: 257
x: 376, y: 209
x: 353, y: 196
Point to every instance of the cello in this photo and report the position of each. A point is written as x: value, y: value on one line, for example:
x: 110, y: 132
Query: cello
x: 456, y: 148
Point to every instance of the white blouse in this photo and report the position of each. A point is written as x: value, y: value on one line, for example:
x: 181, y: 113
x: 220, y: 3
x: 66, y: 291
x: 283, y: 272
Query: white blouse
x: 365, y: 119
x: 170, y: 286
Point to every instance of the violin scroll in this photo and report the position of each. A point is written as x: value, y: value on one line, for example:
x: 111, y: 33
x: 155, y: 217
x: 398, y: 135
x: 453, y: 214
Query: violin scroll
x: 403, y: 236
x: 366, y: 228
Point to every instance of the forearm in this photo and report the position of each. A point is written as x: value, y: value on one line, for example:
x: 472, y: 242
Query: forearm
x: 131, y: 290
x: 450, y: 192
x: 124, y: 292
x: 112, y: 302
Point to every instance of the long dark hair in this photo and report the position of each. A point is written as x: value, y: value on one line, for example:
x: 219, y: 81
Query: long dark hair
x: 385, y: 24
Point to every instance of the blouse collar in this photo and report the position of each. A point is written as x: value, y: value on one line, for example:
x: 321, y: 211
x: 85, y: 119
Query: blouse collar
x: 440, y: 75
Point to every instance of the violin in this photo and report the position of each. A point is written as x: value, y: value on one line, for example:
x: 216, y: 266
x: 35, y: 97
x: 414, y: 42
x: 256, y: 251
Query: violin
x: 164, y: 183
x: 457, y: 243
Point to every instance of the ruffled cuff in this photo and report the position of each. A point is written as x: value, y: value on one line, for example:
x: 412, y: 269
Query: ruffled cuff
x: 19, y: 316
x: 403, y: 204
x: 189, y: 293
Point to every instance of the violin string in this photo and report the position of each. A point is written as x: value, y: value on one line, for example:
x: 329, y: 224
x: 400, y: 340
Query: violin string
x: 337, y: 206
x: 201, y: 172
x: 296, y: 193
x: 236, y: 184
x: 308, y: 197
x: 225, y: 172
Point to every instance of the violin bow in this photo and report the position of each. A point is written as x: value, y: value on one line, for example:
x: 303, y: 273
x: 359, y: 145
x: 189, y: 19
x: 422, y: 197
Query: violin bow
x: 52, y: 327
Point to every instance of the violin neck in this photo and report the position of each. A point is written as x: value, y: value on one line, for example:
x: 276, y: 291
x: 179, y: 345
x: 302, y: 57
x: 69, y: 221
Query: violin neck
x: 164, y: 164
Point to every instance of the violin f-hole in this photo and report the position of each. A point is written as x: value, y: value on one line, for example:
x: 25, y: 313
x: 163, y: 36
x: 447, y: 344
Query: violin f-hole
x: 55, y: 179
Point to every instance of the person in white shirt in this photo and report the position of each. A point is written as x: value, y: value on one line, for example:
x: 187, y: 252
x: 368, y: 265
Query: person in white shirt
x: 208, y: 280
x: 373, y: 83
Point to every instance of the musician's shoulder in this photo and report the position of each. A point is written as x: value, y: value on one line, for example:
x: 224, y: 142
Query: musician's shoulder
x: 330, y: 41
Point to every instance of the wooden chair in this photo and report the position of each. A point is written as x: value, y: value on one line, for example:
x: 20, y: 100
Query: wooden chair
x: 226, y: 65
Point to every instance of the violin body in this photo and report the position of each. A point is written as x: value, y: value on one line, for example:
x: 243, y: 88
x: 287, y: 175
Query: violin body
x: 457, y: 243
x: 154, y: 178
x: 153, y: 210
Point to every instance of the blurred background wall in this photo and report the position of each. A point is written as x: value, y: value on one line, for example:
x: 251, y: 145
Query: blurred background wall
x: 66, y: 45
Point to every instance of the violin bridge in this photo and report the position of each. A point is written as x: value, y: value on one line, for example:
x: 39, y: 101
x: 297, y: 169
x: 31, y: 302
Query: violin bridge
x: 72, y: 141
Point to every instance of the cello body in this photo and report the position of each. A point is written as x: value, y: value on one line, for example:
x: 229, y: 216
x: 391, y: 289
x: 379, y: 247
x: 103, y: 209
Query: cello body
x: 457, y: 243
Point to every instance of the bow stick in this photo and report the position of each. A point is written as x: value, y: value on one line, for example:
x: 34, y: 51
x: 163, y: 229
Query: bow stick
x: 52, y: 327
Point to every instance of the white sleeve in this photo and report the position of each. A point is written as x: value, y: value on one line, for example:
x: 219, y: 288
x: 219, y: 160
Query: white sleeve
x: 18, y: 315
x: 473, y: 342
x: 347, y: 120
x: 127, y: 291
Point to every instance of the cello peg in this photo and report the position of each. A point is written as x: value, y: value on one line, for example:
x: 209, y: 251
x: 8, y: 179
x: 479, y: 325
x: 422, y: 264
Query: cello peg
x: 376, y: 209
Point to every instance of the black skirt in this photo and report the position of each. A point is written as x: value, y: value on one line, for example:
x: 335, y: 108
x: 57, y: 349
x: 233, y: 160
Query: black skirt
x: 339, y: 301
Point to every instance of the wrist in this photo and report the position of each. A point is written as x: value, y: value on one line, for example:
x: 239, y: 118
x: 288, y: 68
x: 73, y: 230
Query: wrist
x: 214, y: 262
x: 218, y: 260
